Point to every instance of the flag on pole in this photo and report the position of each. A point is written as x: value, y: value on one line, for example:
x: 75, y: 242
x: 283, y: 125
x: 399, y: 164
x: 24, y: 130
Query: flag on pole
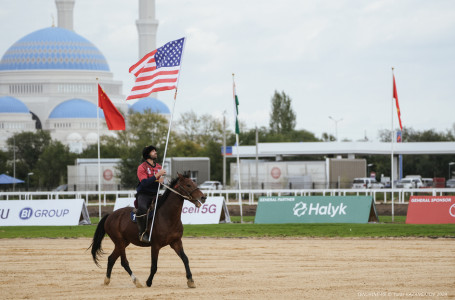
x: 158, y: 70
x: 113, y: 117
x: 395, y: 96
x: 236, y: 111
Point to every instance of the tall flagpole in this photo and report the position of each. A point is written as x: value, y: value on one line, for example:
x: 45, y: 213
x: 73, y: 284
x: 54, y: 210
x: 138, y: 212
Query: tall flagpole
x: 164, y: 158
x: 167, y: 140
x: 238, y: 155
x: 391, y: 158
x: 99, y: 156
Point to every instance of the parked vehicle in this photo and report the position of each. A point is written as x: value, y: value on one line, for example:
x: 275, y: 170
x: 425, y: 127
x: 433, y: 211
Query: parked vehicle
x: 409, y: 183
x: 386, y: 181
x: 427, y: 182
x: 366, y: 183
x: 450, y: 183
x: 211, y: 185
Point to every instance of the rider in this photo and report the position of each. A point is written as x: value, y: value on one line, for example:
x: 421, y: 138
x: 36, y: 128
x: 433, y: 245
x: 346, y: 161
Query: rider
x: 150, y: 174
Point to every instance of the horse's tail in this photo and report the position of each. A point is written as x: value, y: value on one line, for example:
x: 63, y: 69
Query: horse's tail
x: 97, y: 239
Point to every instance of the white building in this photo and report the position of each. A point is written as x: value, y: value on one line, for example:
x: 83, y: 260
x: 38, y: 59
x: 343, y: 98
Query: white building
x: 49, y: 78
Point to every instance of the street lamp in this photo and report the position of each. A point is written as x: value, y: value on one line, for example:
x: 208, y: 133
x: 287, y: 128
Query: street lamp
x: 28, y: 180
x: 336, y: 126
x: 368, y: 169
x: 450, y: 164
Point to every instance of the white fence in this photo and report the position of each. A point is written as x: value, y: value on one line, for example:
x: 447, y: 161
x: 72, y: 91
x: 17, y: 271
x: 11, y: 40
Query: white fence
x: 250, y: 197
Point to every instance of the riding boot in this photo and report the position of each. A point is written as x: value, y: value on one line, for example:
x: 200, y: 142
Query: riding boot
x: 142, y: 226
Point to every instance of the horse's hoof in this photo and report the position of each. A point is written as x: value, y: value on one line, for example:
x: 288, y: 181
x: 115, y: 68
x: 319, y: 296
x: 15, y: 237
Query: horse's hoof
x: 148, y: 283
x: 138, y: 284
x: 106, y: 281
x: 191, y: 283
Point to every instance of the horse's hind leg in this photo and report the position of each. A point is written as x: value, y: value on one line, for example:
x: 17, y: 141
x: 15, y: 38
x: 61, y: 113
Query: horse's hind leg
x: 178, y: 248
x: 119, y: 251
x: 110, y: 264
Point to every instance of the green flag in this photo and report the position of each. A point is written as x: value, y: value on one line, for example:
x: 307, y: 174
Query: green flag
x: 236, y: 111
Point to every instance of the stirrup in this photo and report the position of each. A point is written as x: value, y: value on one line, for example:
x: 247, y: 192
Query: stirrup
x: 144, y: 238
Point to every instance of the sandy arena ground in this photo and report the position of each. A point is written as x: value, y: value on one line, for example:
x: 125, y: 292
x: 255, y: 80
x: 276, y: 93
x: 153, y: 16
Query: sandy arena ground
x: 235, y: 269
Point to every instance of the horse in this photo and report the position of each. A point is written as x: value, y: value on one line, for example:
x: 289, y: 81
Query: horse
x: 167, y: 230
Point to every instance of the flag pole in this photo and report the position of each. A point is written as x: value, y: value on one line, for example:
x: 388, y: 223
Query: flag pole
x: 164, y: 158
x: 167, y: 140
x: 99, y: 156
x: 238, y: 155
x: 391, y: 158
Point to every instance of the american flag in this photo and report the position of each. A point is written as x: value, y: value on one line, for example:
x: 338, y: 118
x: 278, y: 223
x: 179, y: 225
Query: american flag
x: 158, y: 70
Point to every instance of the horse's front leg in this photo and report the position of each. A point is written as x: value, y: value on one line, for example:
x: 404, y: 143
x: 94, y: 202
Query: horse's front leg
x: 126, y: 266
x: 155, y: 252
x: 178, y: 248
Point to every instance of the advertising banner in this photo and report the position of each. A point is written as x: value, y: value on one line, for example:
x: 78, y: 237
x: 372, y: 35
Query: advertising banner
x: 208, y: 213
x: 431, y: 210
x: 315, y: 209
x: 41, y: 212
x: 124, y: 202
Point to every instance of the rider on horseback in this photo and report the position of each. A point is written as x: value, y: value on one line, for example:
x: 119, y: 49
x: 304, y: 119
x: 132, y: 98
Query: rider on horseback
x: 150, y: 174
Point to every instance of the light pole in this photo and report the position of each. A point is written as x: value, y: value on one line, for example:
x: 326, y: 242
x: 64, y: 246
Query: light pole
x: 450, y: 164
x: 28, y: 180
x: 368, y: 169
x: 336, y: 126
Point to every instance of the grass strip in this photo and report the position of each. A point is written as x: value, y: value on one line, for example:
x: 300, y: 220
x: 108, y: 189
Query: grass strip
x: 248, y: 229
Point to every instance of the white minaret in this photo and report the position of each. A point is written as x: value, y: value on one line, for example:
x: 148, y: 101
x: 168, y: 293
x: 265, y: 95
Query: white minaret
x: 65, y: 13
x: 147, y: 26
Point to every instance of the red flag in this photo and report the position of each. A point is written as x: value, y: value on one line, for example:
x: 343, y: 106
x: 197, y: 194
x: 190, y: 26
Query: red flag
x: 113, y: 117
x: 158, y: 70
x: 395, y: 96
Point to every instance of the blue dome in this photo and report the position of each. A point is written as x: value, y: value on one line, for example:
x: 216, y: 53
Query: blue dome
x: 152, y: 104
x: 53, y: 48
x: 12, y: 105
x: 75, y: 108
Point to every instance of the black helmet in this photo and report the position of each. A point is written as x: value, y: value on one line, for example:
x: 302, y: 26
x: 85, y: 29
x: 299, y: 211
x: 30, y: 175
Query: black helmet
x: 146, y: 151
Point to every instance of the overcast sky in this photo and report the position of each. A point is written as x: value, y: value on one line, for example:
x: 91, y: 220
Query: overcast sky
x: 332, y: 57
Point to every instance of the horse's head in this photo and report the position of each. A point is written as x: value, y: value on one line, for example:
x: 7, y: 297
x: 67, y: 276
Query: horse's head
x: 189, y: 190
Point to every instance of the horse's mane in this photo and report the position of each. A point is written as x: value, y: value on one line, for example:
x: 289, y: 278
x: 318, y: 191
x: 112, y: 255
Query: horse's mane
x: 163, y: 198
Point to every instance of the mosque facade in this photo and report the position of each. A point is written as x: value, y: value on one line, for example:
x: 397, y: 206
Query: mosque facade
x: 49, y: 78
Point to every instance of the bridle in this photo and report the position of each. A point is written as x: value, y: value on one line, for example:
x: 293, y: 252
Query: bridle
x: 188, y: 197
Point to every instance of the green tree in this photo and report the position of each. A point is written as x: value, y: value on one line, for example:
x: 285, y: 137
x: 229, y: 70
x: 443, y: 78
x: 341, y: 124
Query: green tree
x: 51, y: 167
x: 200, y: 129
x: 4, y: 157
x: 201, y: 136
x: 282, y: 116
x: 425, y: 165
x: 108, y: 149
x: 29, y: 147
x: 328, y: 137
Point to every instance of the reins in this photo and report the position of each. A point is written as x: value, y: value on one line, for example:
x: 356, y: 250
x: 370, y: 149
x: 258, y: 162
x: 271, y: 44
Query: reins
x: 189, y: 198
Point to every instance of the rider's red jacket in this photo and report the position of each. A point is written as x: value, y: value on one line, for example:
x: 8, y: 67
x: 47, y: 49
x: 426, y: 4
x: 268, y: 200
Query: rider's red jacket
x: 147, y: 180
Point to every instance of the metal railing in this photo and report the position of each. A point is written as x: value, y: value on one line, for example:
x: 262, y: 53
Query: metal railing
x: 249, y: 197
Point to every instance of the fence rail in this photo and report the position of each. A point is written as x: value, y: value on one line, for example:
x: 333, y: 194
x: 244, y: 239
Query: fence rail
x: 250, y: 196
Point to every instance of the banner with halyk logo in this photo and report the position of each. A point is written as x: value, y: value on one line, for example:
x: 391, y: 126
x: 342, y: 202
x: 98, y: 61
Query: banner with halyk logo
x: 431, y: 210
x: 315, y: 209
x: 43, y: 212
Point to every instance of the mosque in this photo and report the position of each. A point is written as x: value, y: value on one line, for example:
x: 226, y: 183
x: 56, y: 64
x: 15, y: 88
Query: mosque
x: 49, y: 78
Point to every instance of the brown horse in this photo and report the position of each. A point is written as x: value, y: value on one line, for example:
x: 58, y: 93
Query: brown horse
x: 167, y: 230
